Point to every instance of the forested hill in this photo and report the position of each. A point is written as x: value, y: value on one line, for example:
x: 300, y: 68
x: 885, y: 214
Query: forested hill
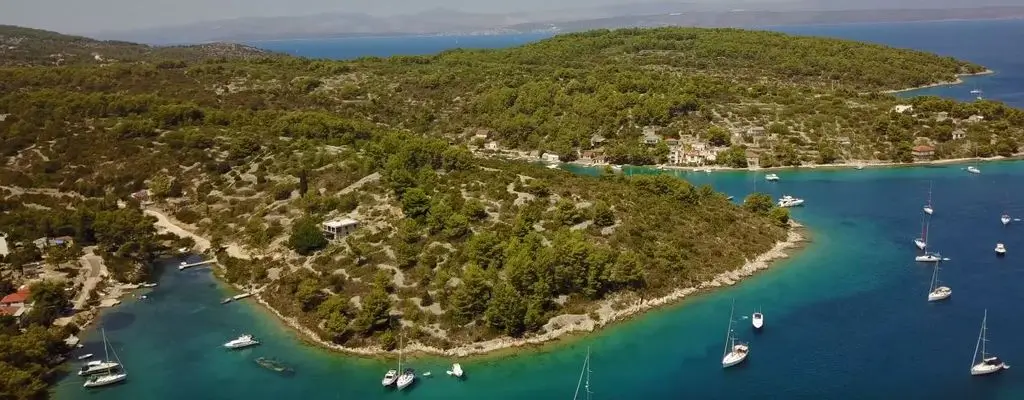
x: 26, y: 46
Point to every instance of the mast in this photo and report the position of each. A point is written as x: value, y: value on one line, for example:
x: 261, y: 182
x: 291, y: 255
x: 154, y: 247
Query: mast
x: 106, y: 356
x: 929, y: 193
x: 584, y: 372
x: 935, y: 277
x: 981, y: 335
x: 728, y: 332
x: 400, y: 337
x: 587, y: 386
x: 984, y: 334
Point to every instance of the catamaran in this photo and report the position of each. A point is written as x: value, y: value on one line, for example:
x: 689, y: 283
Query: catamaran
x: 735, y: 352
x: 586, y: 385
x: 922, y: 242
x: 928, y: 206
x: 108, y: 377
x: 988, y: 365
x: 757, y: 319
x: 936, y: 292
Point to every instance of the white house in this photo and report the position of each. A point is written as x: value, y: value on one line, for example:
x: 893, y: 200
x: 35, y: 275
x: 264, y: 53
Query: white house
x: 550, y: 157
x: 902, y: 108
x: 340, y: 228
x: 959, y: 134
x: 492, y: 145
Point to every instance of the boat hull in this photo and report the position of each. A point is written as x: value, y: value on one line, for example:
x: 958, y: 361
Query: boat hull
x: 926, y: 259
x: 928, y: 210
x: 733, y: 359
x: 939, y: 294
x: 986, y: 369
x: 99, y: 370
x: 404, y: 382
x: 239, y: 346
x: 105, y: 381
x: 921, y: 244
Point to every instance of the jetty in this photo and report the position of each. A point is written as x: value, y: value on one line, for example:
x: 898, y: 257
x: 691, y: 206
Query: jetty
x: 185, y: 265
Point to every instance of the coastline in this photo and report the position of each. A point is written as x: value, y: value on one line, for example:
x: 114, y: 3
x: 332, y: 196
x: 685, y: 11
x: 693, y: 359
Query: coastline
x: 842, y: 166
x: 959, y: 80
x: 557, y: 328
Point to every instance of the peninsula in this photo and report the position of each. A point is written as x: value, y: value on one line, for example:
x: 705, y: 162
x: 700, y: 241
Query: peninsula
x: 354, y: 198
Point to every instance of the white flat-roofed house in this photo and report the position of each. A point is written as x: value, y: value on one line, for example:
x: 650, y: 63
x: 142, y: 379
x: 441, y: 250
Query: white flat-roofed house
x: 340, y: 228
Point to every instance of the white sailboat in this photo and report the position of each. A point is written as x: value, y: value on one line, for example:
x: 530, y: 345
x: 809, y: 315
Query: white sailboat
x: 927, y: 256
x: 935, y: 292
x: 922, y: 242
x: 988, y: 364
x: 108, y: 377
x: 735, y: 352
x: 408, y: 376
x: 928, y: 206
x: 585, y: 373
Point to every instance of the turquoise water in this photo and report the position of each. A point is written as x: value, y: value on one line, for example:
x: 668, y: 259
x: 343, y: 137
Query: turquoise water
x: 845, y: 319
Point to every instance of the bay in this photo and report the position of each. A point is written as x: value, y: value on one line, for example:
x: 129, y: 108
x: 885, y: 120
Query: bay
x: 847, y: 318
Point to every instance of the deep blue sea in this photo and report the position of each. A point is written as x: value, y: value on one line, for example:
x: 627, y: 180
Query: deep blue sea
x: 847, y: 318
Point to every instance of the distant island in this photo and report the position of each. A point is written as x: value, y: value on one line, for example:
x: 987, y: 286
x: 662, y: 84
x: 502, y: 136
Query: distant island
x: 367, y: 200
x: 643, y: 15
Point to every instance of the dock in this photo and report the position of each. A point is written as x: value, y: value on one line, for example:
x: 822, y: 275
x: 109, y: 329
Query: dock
x: 195, y: 264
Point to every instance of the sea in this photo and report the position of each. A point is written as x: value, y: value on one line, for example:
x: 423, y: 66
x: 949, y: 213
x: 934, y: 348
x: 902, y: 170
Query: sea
x: 845, y: 318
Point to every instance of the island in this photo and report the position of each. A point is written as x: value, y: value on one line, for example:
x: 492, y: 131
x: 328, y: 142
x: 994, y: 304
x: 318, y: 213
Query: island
x: 370, y: 200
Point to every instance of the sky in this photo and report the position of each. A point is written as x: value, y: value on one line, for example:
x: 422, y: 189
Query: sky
x: 87, y: 16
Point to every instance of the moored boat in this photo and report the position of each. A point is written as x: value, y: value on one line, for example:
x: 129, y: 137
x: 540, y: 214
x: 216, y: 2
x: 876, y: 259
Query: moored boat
x: 757, y: 320
x: 1000, y: 249
x: 771, y: 178
x: 241, y: 342
x: 108, y: 375
x: 790, y: 201
x: 936, y: 291
x: 1005, y: 219
x: 406, y: 378
x: 456, y: 370
x: 735, y: 352
x: 988, y: 364
x: 974, y: 170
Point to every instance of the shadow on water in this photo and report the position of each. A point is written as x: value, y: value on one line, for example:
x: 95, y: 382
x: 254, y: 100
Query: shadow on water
x: 118, y: 320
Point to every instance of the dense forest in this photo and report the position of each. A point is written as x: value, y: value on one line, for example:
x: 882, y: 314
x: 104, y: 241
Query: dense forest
x: 256, y: 150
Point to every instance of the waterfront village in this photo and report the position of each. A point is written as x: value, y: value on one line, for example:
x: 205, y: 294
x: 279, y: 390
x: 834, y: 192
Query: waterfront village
x: 702, y: 150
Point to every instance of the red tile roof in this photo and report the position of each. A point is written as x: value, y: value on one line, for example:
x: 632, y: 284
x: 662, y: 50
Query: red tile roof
x: 923, y: 149
x: 17, y: 297
x: 8, y: 310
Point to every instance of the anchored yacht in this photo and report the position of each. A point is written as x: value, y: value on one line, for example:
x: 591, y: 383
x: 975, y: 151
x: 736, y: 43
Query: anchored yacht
x: 790, y: 201
x: 242, y: 342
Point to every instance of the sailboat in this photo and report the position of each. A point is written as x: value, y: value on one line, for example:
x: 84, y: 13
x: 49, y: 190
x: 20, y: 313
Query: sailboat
x: 408, y: 376
x: 108, y: 377
x: 735, y: 352
x: 586, y: 384
x: 927, y: 256
x: 928, y: 206
x: 936, y: 293
x: 922, y: 242
x: 988, y: 365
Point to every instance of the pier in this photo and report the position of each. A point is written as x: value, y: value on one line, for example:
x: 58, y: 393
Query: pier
x: 196, y: 264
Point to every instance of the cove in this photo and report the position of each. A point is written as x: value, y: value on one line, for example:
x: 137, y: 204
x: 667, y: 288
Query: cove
x: 846, y: 318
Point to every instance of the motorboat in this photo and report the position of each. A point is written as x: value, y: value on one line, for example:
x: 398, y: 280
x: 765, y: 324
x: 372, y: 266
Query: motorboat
x: 241, y: 342
x: 149, y: 285
x: 390, y: 378
x: 790, y: 201
x: 406, y: 378
x: 928, y: 210
x: 757, y: 320
x: 456, y: 370
x: 928, y: 257
x: 974, y: 170
x: 1005, y: 219
x: 771, y: 178
x: 96, y: 367
x: 988, y: 364
x: 1000, y: 249
x: 552, y: 166
x: 182, y: 266
x: 85, y: 356
x: 735, y: 352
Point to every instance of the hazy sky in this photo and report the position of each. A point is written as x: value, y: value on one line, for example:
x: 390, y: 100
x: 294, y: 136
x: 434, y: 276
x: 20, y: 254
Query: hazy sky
x: 85, y: 16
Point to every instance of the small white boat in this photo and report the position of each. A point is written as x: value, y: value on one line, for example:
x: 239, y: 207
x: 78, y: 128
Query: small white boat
x: 241, y: 342
x: 406, y: 379
x: 456, y: 370
x: 85, y: 356
x: 735, y: 352
x: 1000, y: 249
x: 149, y: 285
x: 390, y: 378
x: 617, y: 167
x: 973, y: 170
x: 928, y: 257
x: 1005, y: 219
x: 937, y: 292
x: 241, y: 296
x: 552, y: 166
x: 790, y: 201
x: 988, y: 365
x: 182, y: 265
x: 771, y: 178
x: 183, y: 250
x: 428, y: 373
x: 976, y: 91
x: 920, y: 243
x: 928, y: 206
x: 757, y: 319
